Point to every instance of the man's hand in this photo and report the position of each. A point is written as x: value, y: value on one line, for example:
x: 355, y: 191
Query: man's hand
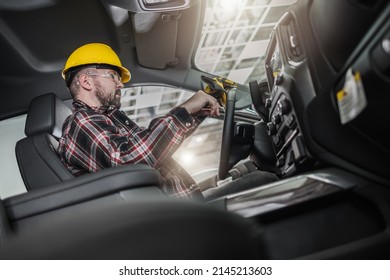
x: 202, y: 104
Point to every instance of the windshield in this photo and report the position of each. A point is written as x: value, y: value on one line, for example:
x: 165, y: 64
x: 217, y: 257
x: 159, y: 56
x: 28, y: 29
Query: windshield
x: 235, y: 37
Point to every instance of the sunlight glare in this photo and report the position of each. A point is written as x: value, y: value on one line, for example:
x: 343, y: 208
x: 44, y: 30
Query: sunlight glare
x: 229, y: 7
x: 187, y: 158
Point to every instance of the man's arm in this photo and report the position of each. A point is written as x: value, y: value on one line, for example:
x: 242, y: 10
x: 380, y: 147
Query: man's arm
x: 202, y: 104
x: 93, y: 142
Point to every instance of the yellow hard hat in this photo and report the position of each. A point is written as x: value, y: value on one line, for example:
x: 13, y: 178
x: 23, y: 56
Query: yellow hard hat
x: 94, y: 54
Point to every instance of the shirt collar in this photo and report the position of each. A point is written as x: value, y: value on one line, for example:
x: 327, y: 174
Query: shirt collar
x: 78, y: 104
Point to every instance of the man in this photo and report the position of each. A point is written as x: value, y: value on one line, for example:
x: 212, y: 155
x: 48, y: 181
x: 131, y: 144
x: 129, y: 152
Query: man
x: 98, y: 135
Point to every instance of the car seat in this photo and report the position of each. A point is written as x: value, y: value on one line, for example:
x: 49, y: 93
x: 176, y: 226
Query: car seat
x: 36, y: 154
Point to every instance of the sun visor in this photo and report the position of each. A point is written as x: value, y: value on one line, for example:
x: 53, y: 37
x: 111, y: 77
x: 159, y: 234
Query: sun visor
x: 156, y: 30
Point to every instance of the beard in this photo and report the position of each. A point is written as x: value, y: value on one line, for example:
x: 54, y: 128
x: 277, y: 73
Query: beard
x: 108, y: 99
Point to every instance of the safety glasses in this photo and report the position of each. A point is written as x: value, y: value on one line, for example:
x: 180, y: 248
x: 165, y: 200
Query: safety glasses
x: 114, y: 76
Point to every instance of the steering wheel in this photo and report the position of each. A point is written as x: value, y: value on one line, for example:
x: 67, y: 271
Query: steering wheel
x: 227, y: 135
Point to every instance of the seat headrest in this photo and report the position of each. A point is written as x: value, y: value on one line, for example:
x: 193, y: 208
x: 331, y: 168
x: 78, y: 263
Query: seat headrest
x: 46, y: 113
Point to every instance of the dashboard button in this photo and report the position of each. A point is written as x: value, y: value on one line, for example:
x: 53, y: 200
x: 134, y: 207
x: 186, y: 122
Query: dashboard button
x: 276, y: 119
x: 291, y: 121
x: 284, y: 106
x: 278, y: 140
x: 271, y: 128
x: 299, y: 148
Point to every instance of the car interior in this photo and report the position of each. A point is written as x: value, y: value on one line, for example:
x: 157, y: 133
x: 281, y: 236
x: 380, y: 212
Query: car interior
x: 310, y: 169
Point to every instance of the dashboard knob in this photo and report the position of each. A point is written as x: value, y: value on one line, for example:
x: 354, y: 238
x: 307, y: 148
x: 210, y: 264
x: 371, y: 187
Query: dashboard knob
x: 276, y: 119
x: 284, y: 106
x: 271, y: 128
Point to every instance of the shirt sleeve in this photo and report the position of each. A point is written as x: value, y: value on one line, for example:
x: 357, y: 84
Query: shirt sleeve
x: 95, y: 141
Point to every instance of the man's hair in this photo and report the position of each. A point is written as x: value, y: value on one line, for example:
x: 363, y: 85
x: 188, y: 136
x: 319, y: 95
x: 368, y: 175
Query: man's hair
x: 74, y: 86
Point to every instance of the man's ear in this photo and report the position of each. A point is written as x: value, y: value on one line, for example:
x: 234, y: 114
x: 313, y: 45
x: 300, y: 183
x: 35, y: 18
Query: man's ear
x: 85, y: 82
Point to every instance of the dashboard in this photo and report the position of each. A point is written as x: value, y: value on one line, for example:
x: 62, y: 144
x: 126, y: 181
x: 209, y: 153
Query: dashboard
x: 309, y: 62
x: 334, y: 173
x: 284, y: 58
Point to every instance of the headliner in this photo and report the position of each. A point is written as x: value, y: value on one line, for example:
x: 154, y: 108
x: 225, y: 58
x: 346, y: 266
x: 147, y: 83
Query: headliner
x: 37, y: 37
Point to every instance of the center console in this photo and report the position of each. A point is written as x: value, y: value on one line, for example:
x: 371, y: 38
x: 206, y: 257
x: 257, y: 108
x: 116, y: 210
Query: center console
x: 316, y: 215
x: 286, y: 193
x: 284, y: 59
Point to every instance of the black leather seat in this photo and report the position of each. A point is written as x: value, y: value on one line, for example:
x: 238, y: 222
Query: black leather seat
x: 36, y: 154
x: 120, y: 213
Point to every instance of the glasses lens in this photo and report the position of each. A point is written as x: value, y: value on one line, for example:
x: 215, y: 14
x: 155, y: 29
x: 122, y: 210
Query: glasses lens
x: 116, y: 77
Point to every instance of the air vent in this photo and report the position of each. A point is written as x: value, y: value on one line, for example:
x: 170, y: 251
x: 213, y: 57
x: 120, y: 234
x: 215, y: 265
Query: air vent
x: 291, y: 41
x: 295, y: 47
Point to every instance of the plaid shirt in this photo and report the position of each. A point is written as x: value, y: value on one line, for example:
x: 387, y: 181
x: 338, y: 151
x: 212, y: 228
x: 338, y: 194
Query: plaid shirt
x: 97, y: 138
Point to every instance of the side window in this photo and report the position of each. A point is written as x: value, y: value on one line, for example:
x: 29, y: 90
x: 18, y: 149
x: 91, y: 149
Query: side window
x: 201, y: 151
x: 11, y: 130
